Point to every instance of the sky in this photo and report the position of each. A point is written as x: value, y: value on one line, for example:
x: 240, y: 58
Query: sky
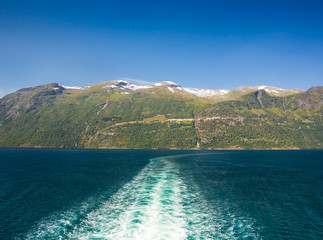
x: 203, y: 44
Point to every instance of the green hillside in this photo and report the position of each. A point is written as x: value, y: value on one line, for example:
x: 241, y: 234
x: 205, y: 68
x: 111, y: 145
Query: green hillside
x: 119, y: 115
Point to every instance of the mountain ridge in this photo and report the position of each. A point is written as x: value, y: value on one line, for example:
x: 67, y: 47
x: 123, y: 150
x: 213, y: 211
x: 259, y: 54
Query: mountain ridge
x: 120, y: 114
x: 196, y: 91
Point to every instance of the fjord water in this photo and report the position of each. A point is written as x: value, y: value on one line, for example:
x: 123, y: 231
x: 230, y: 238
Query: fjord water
x: 160, y: 194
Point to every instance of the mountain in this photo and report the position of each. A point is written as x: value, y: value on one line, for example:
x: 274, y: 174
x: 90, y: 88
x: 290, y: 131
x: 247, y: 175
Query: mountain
x: 120, y: 114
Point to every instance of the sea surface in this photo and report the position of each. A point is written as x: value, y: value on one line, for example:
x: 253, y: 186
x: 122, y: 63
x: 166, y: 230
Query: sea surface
x: 160, y: 194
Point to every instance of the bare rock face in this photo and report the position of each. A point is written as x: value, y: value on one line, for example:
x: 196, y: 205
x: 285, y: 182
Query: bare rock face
x: 28, y: 99
x: 316, y: 89
x: 312, y: 99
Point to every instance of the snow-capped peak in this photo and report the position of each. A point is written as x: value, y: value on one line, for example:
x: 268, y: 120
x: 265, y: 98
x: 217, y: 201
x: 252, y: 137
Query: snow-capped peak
x: 261, y: 87
x: 125, y: 85
x: 171, y: 86
x: 275, y: 91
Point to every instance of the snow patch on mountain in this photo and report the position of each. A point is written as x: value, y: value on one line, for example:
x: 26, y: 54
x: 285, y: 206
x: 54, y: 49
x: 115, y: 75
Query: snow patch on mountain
x: 75, y: 88
x: 171, y: 89
x: 206, y: 92
x: 166, y: 84
x: 275, y: 90
x: 125, y: 85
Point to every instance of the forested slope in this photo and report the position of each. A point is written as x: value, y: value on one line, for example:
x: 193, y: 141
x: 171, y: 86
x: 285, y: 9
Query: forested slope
x: 120, y: 115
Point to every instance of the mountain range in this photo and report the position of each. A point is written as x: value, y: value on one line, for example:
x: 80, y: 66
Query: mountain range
x: 120, y: 114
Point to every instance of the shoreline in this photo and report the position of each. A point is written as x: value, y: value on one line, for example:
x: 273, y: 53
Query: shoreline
x: 170, y: 149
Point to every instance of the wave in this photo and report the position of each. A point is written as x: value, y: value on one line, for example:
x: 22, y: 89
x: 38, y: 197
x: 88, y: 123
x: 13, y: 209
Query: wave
x: 159, y: 203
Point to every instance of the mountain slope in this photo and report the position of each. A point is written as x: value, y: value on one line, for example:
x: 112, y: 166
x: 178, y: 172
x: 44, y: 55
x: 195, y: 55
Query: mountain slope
x: 119, y: 114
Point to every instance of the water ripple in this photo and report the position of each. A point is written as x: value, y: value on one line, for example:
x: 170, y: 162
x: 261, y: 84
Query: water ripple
x: 159, y: 203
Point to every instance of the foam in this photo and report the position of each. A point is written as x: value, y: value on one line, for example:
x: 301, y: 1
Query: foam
x: 157, y: 204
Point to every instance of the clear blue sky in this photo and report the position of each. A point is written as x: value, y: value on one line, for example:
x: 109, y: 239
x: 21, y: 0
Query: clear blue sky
x: 204, y: 44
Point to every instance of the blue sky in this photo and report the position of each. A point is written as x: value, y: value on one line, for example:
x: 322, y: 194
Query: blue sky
x: 202, y: 44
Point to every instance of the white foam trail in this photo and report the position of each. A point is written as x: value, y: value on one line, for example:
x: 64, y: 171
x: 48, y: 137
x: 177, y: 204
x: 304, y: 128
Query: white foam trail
x: 156, y: 204
x: 149, y: 207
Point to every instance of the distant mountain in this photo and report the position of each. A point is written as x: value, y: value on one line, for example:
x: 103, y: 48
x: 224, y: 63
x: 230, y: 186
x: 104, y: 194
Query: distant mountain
x: 127, y: 87
x: 120, y: 114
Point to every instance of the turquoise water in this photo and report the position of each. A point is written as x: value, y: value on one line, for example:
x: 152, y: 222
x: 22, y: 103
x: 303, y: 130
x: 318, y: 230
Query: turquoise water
x: 154, y: 194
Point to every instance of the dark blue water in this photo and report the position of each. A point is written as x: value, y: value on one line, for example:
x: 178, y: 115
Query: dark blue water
x: 137, y: 194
